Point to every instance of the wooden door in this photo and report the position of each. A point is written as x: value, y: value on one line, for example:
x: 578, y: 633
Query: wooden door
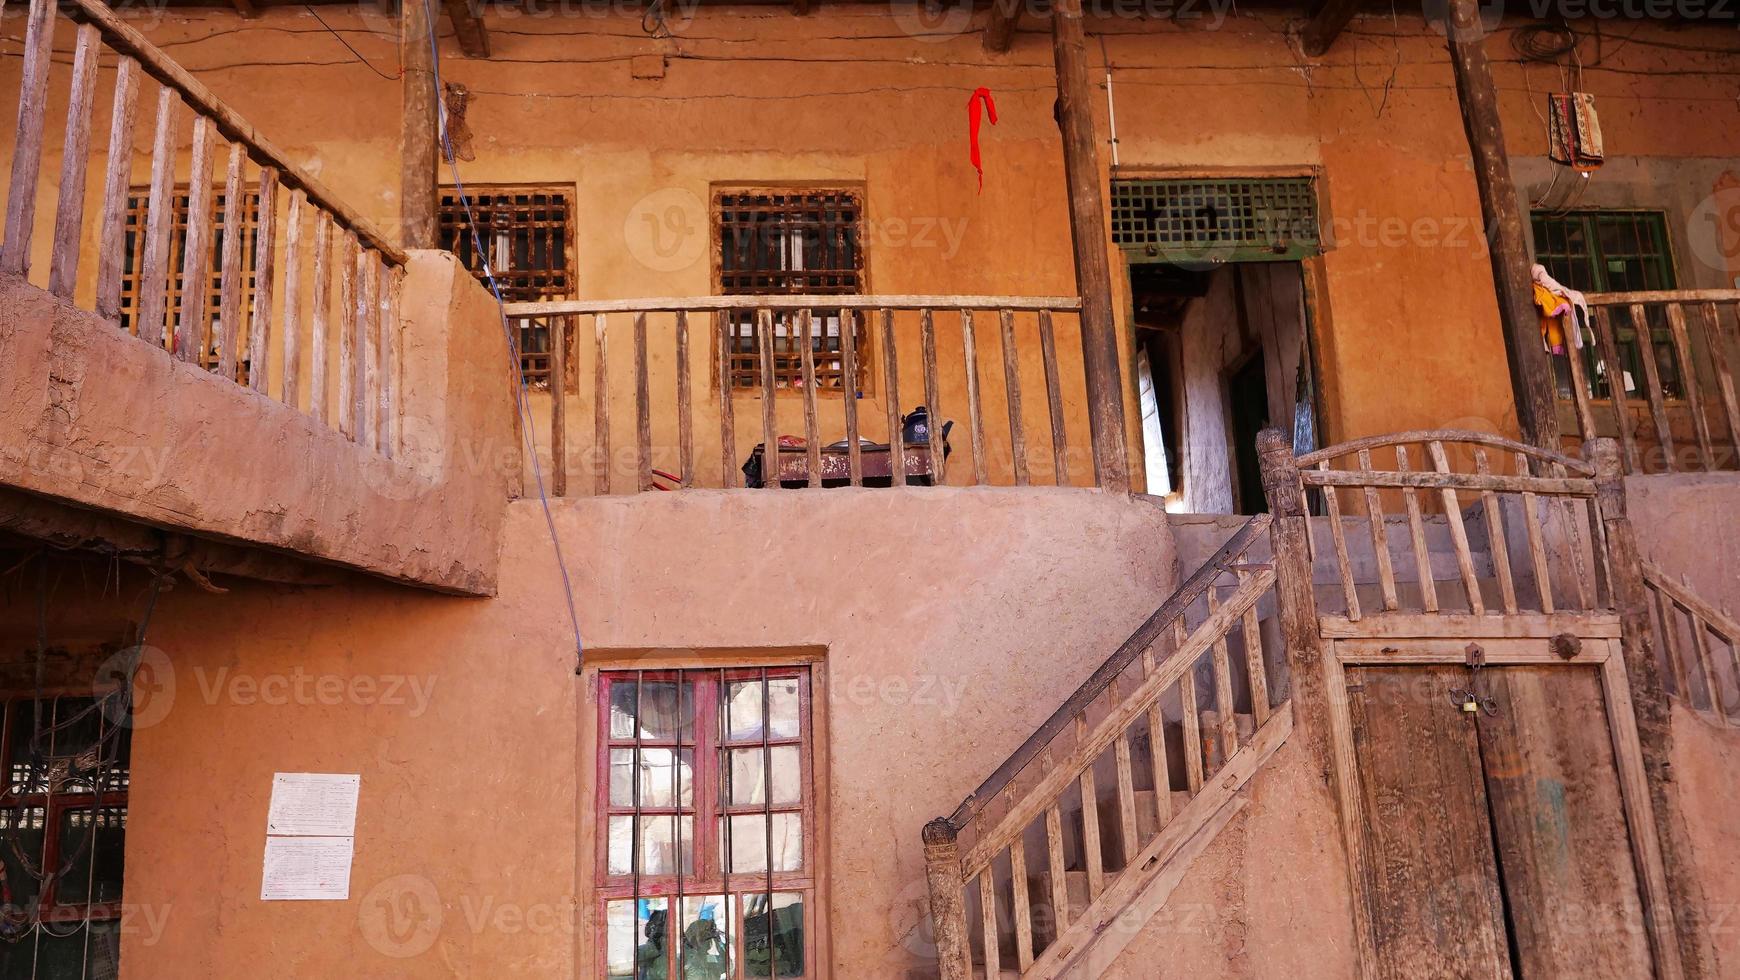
x: 1564, y: 854
x: 1496, y: 841
x: 1432, y: 879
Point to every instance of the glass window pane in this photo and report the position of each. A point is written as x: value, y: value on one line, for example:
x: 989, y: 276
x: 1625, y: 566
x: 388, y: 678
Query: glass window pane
x: 745, y: 781
x: 743, y: 714
x: 99, y: 880
x: 706, y: 937
x: 635, y: 940
x: 745, y: 839
x: 661, y: 712
x: 658, y: 780
x: 658, y: 845
x: 773, y: 935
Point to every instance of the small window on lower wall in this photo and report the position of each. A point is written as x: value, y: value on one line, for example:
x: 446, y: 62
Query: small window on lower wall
x: 706, y: 862
x: 63, y: 824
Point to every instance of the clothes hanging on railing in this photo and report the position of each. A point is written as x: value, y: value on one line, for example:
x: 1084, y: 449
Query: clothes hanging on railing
x: 1564, y: 311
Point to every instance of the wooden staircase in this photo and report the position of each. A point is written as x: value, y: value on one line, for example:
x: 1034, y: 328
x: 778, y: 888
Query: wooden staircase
x: 1098, y: 815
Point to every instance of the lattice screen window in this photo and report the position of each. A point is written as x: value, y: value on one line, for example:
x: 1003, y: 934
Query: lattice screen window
x: 525, y: 235
x: 1190, y: 221
x: 133, y: 262
x: 785, y: 243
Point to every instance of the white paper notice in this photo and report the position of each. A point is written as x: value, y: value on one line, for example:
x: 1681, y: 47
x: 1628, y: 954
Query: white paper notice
x: 302, y: 868
x: 313, y: 804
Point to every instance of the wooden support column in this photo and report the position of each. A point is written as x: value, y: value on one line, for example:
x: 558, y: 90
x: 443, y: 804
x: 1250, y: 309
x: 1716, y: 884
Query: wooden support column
x: 948, y: 907
x: 1531, y: 376
x: 418, y: 133
x: 1682, y: 912
x: 1000, y: 28
x: 1088, y: 231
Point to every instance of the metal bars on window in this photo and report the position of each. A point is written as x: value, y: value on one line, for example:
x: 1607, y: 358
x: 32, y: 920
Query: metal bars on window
x: 523, y: 237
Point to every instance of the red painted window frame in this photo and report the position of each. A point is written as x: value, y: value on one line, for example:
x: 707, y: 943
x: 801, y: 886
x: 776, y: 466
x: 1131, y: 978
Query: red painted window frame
x: 707, y: 877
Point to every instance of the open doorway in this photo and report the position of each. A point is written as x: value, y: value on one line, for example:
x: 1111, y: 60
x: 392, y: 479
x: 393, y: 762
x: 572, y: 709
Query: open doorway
x: 1225, y: 353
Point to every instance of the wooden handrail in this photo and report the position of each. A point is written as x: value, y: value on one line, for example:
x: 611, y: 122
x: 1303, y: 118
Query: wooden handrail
x: 697, y: 304
x: 123, y: 37
x: 1664, y: 296
x: 1354, y: 446
x: 1143, y: 638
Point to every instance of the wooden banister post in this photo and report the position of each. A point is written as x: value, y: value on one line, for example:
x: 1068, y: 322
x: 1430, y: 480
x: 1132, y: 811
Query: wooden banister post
x: 418, y: 134
x: 1088, y: 234
x: 948, y: 909
x: 1295, y: 602
x: 1531, y: 376
x: 1682, y: 910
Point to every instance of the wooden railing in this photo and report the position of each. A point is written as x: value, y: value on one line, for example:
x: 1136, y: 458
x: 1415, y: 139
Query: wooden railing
x: 1184, y: 702
x: 1698, y: 646
x: 834, y: 375
x: 1516, y: 529
x: 264, y: 335
x: 1677, y: 409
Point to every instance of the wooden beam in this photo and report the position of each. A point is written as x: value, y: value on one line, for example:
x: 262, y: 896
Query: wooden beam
x: 467, y: 27
x: 1000, y: 29
x: 417, y: 132
x: 1530, y: 374
x: 1089, y: 234
x: 246, y: 8
x: 1325, y: 25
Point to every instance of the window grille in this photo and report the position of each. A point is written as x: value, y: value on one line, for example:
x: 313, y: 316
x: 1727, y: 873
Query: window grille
x: 1188, y: 222
x: 525, y: 234
x: 133, y: 264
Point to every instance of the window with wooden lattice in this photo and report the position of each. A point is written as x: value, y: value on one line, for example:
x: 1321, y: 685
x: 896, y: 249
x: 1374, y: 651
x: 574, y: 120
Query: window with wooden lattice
x: 793, y: 242
x: 522, y: 237
x: 133, y: 263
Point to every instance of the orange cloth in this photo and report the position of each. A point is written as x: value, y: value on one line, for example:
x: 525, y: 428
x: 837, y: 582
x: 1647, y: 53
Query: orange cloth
x: 1552, y: 306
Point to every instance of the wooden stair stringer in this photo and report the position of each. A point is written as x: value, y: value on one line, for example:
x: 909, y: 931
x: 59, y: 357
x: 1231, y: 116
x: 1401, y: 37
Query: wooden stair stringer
x: 1090, y: 943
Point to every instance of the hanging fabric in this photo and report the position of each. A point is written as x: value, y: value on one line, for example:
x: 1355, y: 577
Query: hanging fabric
x: 1573, y: 131
x: 980, y: 94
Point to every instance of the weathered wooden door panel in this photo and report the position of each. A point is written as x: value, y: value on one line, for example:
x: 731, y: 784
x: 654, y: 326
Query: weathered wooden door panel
x: 1564, y: 855
x: 1432, y: 880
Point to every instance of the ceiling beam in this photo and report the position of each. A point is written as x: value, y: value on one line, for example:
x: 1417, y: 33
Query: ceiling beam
x: 1000, y: 29
x: 246, y: 8
x: 467, y: 28
x: 1325, y: 25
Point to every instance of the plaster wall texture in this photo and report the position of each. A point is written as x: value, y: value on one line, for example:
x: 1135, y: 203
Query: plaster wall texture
x: 98, y: 418
x: 865, y: 96
x: 947, y: 623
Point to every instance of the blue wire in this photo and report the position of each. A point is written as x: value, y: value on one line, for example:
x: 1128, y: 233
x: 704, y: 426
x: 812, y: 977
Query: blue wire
x: 525, y: 411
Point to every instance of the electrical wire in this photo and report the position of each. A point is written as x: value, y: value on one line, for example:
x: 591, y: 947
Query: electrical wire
x: 354, y: 51
x: 524, y: 406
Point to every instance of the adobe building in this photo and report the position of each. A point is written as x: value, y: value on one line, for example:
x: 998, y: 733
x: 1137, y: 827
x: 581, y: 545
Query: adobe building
x: 733, y: 490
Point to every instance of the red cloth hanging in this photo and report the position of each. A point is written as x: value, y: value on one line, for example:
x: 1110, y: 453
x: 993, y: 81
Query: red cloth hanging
x: 979, y: 95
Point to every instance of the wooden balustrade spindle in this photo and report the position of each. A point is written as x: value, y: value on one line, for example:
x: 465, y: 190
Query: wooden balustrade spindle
x: 558, y: 406
x: 1537, y: 542
x: 1670, y: 639
x: 642, y: 407
x: 1701, y: 646
x: 1054, y: 399
x: 975, y: 417
x: 849, y: 382
x: 1012, y: 390
x: 988, y: 920
x: 1380, y: 538
x: 1162, y: 766
x: 152, y: 301
x: 1255, y: 670
x: 1458, y: 533
x: 770, y: 456
x: 1716, y: 348
x: 932, y: 394
x: 1054, y: 866
x: 1223, y: 690
x: 1614, y: 371
x: 601, y: 407
x: 194, y: 321
x: 364, y: 363
x: 1129, y: 842
x: 727, y: 421
x: 812, y: 433
x: 290, y: 383
x: 391, y: 330
x: 1496, y: 545
x: 230, y: 274
x: 1023, y: 906
x: 1417, y: 537
x: 1092, y: 855
x: 265, y: 260
x: 27, y: 144
x: 319, y: 343
x: 112, y: 223
x: 1690, y: 389
x: 1332, y: 505
x: 1652, y: 381
x: 1581, y: 393
x: 347, y: 352
x: 381, y: 383
x: 685, y: 407
x: 891, y: 368
x: 1192, y: 729
x: 69, y: 211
